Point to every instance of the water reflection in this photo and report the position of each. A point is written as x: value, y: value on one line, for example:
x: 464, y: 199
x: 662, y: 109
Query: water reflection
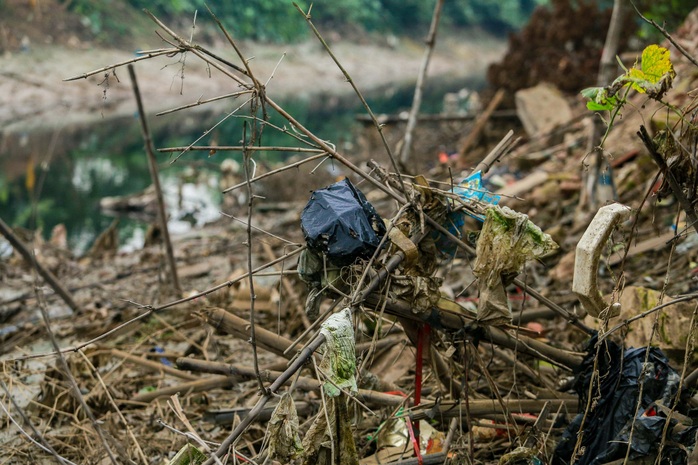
x: 59, y: 175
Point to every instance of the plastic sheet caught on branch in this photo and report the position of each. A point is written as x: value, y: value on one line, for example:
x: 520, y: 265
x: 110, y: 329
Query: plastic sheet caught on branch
x: 282, y: 431
x: 339, y: 360
x: 339, y: 222
x: 617, y: 378
x: 508, y: 239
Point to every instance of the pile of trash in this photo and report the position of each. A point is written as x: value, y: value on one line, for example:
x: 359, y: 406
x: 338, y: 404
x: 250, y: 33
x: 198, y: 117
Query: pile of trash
x: 392, y: 319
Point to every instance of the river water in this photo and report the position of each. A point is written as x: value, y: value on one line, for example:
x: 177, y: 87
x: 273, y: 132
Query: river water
x: 58, y: 176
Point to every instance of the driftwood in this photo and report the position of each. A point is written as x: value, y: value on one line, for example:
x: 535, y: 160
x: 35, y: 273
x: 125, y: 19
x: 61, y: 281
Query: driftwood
x: 366, y: 396
x: 450, y: 409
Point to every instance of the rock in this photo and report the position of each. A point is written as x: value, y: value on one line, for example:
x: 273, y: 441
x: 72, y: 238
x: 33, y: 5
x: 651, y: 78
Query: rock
x: 673, y: 325
x: 541, y: 109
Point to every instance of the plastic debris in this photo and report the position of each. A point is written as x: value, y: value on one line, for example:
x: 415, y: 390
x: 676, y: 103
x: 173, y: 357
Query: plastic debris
x: 586, y: 264
x: 472, y: 189
x: 331, y: 442
x: 617, y: 378
x: 508, y: 239
x: 339, y: 222
x: 282, y: 431
x: 339, y: 360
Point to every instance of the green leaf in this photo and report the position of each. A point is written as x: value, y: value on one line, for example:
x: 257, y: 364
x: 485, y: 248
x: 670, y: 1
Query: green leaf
x: 599, y: 100
x: 656, y: 72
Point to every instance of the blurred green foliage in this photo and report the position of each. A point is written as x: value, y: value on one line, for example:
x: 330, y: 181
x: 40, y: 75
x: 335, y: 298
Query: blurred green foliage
x: 279, y: 21
x: 667, y: 13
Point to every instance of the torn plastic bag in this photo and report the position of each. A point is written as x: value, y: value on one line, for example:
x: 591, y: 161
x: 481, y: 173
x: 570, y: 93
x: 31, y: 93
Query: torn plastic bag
x: 339, y: 222
x: 605, y: 428
x: 282, y: 431
x: 507, y: 240
x: 339, y: 360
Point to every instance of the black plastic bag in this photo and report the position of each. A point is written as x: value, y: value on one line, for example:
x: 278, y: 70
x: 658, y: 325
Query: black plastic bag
x: 339, y: 222
x: 605, y: 428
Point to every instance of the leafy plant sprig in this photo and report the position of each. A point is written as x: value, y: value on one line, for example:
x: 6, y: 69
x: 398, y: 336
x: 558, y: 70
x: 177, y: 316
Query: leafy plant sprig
x: 653, y: 77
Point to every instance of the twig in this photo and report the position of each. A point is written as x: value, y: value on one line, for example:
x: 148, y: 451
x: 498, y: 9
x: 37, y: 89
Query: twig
x: 669, y: 176
x: 358, y: 94
x: 208, y: 131
x: 480, y: 125
x: 419, y: 87
x: 29, y: 257
x: 152, y: 164
x: 263, y: 231
x: 323, y: 154
x: 664, y: 32
x: 150, y: 54
x: 250, y: 206
x: 240, y: 148
x: 201, y: 102
x: 685, y: 298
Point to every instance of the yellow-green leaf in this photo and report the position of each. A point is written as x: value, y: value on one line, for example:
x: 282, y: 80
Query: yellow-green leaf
x: 656, y: 72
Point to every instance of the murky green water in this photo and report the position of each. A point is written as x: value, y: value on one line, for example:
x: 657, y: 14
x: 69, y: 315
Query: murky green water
x: 59, y: 176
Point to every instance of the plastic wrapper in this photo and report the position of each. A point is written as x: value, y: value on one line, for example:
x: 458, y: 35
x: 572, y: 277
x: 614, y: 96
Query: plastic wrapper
x: 339, y: 222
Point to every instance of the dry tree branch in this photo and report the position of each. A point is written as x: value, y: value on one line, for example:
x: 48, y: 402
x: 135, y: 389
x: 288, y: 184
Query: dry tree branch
x: 357, y: 91
x: 29, y: 257
x: 147, y: 56
x: 664, y: 32
x: 419, y: 87
x: 202, y: 102
x: 153, y: 166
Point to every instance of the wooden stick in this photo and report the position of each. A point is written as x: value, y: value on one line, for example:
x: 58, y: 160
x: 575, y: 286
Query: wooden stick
x: 29, y: 257
x: 152, y: 164
x: 302, y: 382
x: 152, y: 365
x: 232, y: 324
x: 480, y: 125
x: 451, y: 409
x: 203, y: 384
x: 419, y: 86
